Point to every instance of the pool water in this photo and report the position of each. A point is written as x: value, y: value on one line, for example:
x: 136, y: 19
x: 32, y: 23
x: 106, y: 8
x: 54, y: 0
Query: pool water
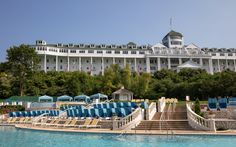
x: 12, y: 137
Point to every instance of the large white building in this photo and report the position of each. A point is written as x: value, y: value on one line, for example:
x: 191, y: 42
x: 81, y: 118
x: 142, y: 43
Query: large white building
x: 172, y: 53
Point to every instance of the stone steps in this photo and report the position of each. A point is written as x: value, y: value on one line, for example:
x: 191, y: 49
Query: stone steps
x: 174, y: 120
x: 165, y: 125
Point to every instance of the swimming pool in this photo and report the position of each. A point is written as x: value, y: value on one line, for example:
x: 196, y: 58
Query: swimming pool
x: 11, y: 137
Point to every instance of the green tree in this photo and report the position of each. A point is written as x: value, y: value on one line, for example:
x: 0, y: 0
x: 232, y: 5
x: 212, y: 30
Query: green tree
x: 197, y: 108
x: 22, y: 61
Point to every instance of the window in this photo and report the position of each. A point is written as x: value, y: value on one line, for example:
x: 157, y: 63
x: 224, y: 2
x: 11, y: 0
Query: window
x: 72, y: 51
x: 90, y: 51
x: 47, y: 67
x: 133, y: 52
x: 61, y: 67
x: 108, y: 52
x: 113, y: 46
x: 92, y: 46
x: 61, y: 60
x: 141, y: 52
x: 222, y: 54
x: 103, y: 46
x: 117, y: 52
x: 125, y: 52
x: 176, y: 43
x: 99, y: 52
x: 230, y: 54
x: 47, y: 60
x: 213, y: 54
x: 82, y: 51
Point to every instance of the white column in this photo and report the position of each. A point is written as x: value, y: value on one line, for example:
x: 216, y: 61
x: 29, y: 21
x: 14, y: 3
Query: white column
x: 124, y: 62
x: 210, y: 66
x: 68, y: 63
x: 226, y: 62
x: 102, y: 66
x: 80, y: 69
x: 158, y: 64
x: 135, y: 65
x: 218, y: 62
x: 113, y: 60
x: 91, y: 66
x: 56, y: 63
x: 234, y: 65
x: 169, y: 64
x: 147, y: 64
x: 45, y: 63
x: 201, y: 63
x: 180, y: 61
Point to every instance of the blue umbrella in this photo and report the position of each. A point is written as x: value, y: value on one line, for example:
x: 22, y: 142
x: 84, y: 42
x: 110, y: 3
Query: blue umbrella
x: 64, y: 98
x: 98, y: 96
x: 45, y: 98
x: 81, y: 97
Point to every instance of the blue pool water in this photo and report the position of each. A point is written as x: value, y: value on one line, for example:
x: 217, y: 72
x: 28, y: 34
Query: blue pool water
x: 11, y: 137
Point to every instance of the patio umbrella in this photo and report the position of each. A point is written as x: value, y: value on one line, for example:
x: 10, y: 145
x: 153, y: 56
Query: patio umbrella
x: 64, y: 98
x: 45, y: 98
x: 81, y: 97
x: 98, y: 96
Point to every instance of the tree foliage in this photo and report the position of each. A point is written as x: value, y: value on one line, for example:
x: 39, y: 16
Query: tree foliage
x: 22, y: 61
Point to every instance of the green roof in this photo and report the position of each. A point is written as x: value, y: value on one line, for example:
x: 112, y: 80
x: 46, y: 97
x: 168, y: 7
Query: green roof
x: 173, y: 33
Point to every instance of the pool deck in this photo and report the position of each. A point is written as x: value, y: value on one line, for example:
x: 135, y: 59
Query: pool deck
x: 130, y: 132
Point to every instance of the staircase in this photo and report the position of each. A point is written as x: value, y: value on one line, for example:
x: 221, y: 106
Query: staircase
x: 174, y: 119
x: 167, y: 125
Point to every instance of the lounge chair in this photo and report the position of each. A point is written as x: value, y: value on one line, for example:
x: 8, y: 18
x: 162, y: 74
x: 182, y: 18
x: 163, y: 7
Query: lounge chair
x: 222, y: 103
x: 212, y: 103
x: 86, y: 123
x: 65, y: 123
x: 94, y: 124
x: 9, y: 119
x: 72, y: 123
x: 54, y: 122
x: 27, y: 120
x: 22, y: 119
x: 41, y: 122
x: 13, y: 120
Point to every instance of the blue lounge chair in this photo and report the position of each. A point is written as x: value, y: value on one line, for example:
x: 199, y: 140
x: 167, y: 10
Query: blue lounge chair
x: 212, y: 103
x: 232, y: 102
x: 222, y: 103
x: 134, y: 105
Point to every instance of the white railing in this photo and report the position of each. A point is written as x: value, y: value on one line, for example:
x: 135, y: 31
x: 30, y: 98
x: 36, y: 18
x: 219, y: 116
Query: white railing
x: 161, y: 104
x: 151, y: 110
x: 128, y: 121
x: 197, y: 122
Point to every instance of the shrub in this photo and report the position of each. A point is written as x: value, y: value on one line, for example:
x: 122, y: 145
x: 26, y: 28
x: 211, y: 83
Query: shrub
x: 197, y: 108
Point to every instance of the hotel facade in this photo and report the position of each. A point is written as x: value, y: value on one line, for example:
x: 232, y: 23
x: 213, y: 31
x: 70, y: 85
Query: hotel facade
x: 172, y: 54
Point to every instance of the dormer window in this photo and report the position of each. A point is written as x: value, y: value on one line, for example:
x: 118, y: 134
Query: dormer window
x: 81, y: 45
x: 144, y: 47
x: 113, y: 46
x: 124, y: 47
x: 134, y: 47
x: 92, y: 46
x: 103, y: 46
x: 41, y: 42
x: 59, y: 45
x: 71, y: 45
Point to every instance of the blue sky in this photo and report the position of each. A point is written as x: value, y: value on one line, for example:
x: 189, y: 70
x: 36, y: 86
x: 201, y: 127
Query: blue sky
x: 207, y: 23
